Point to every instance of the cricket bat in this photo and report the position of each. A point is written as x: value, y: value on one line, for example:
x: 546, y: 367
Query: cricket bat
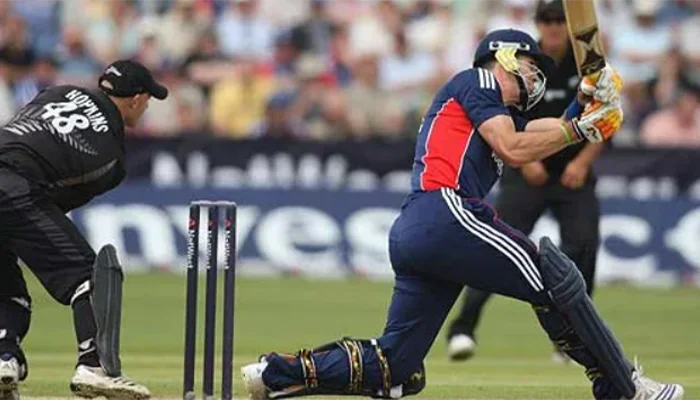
x: 582, y: 23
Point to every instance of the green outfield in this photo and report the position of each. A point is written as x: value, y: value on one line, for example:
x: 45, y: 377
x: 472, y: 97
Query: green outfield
x: 659, y: 326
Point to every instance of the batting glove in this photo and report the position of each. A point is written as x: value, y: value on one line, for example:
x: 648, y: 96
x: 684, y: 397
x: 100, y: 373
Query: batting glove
x: 604, y: 85
x: 598, y: 122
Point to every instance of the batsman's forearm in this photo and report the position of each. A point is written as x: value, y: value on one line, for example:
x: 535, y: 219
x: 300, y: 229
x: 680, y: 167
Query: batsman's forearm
x: 529, y: 146
x: 543, y: 124
x: 542, y: 138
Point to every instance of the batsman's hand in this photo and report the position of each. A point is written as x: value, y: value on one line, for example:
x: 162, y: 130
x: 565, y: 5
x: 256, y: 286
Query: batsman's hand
x: 534, y: 173
x: 603, y: 86
x: 598, y: 122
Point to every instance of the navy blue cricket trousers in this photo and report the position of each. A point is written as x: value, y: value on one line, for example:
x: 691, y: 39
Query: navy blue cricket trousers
x: 439, y: 243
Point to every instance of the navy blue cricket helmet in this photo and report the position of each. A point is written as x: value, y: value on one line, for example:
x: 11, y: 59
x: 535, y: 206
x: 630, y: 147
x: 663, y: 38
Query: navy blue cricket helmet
x: 520, y: 43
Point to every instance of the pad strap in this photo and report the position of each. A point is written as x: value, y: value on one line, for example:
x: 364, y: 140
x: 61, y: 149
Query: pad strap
x: 308, y: 367
x: 383, y: 365
x: 594, y: 373
x: 353, y: 350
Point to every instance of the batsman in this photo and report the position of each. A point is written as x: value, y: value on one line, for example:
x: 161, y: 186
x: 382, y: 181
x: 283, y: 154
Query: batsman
x: 61, y: 150
x: 446, y: 236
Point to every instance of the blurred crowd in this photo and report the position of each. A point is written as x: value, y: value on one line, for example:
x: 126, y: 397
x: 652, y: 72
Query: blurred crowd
x: 330, y: 69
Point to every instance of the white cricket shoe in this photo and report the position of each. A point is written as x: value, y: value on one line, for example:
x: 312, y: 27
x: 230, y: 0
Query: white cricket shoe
x: 11, y: 372
x: 461, y: 347
x: 649, y: 389
x: 91, y: 382
x: 252, y: 379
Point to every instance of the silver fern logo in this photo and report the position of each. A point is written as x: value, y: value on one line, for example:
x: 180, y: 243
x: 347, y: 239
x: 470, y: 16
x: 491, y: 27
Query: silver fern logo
x: 52, y: 118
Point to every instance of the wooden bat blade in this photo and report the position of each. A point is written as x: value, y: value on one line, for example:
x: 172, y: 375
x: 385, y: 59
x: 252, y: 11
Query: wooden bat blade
x: 582, y: 23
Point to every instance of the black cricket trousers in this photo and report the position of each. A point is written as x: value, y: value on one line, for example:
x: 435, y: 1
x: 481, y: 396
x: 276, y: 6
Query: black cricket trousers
x: 37, y: 231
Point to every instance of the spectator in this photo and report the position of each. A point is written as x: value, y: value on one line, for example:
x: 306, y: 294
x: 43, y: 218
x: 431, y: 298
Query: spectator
x: 348, y: 11
x: 675, y: 11
x: 284, y: 57
x: 665, y: 84
x: 611, y: 15
x: 639, y: 45
x: 279, y: 121
x: 312, y: 75
x: 180, y: 29
x: 677, y: 125
x: 182, y: 112
x: 5, y: 15
x: 7, y: 105
x: 462, y: 38
x: 149, y: 52
x: 374, y: 111
x: 238, y: 102
x: 127, y: 21
x: 78, y: 66
x: 371, y: 32
x: 191, y: 109
x: 314, y: 34
x: 244, y: 33
x: 16, y: 52
x: 207, y: 65
x: 517, y: 14
x: 689, y: 44
x: 406, y: 71
x: 114, y: 31
x: 162, y: 119
x: 430, y: 32
x: 340, y: 55
x: 331, y: 123
x: 42, y: 22
x: 44, y: 74
x: 284, y: 14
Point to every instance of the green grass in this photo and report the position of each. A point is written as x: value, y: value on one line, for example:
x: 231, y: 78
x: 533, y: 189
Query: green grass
x: 285, y: 314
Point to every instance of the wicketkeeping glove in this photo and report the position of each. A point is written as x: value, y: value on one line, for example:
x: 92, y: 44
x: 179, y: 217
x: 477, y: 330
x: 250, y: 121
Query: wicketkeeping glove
x: 605, y: 85
x: 598, y: 122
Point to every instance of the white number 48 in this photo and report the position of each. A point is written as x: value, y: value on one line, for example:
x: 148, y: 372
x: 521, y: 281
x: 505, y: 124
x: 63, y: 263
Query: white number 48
x: 65, y: 124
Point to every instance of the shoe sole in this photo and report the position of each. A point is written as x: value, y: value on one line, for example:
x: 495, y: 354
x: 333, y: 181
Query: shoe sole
x: 90, y: 392
x: 9, y: 391
x: 463, y: 355
x: 8, y: 383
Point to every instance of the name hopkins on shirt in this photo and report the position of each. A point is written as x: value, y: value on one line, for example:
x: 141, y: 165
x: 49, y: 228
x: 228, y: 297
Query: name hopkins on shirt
x: 98, y: 122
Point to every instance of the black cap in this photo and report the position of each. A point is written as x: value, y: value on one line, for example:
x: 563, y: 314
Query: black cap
x: 126, y: 78
x: 549, y: 9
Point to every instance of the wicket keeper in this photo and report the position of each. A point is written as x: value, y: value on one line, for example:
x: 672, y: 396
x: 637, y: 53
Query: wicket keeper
x: 61, y: 150
x: 447, y: 237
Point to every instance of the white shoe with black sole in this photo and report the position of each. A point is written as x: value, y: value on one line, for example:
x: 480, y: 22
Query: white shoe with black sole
x: 91, y: 382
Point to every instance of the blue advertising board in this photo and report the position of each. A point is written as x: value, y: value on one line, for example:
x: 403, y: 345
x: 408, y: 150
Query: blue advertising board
x: 336, y: 233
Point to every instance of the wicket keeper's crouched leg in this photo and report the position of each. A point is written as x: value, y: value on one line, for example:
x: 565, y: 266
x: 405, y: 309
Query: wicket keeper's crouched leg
x: 36, y: 230
x: 15, y: 310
